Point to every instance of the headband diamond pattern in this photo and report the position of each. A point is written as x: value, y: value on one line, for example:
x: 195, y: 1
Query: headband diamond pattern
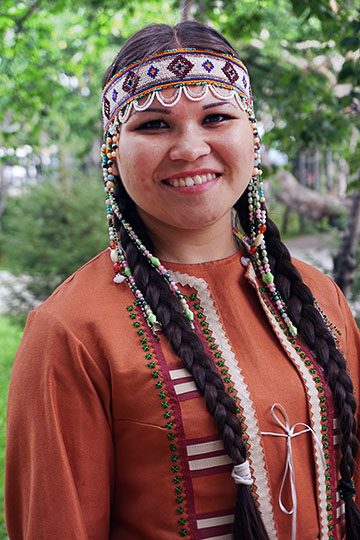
x: 173, y: 69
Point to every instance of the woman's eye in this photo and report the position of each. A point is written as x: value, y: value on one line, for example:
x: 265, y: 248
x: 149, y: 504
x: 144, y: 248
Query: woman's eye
x: 217, y: 118
x: 153, y: 124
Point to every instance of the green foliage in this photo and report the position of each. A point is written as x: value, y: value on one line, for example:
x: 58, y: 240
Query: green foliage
x: 10, y: 336
x: 52, y: 231
x: 54, y: 55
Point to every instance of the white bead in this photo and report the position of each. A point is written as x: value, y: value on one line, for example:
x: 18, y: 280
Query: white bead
x: 259, y: 239
x: 114, y: 255
x: 119, y: 278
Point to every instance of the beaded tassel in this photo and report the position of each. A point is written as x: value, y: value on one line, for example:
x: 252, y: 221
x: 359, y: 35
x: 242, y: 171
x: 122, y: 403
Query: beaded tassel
x: 154, y: 262
x: 121, y: 267
x: 257, y: 217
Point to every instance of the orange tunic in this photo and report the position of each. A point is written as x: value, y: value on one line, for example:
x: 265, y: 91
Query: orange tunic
x: 108, y: 437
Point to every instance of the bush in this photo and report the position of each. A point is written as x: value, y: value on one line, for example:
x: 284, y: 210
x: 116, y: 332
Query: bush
x: 48, y: 233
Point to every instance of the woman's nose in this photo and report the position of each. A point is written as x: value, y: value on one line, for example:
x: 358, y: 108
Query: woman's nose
x: 189, y: 145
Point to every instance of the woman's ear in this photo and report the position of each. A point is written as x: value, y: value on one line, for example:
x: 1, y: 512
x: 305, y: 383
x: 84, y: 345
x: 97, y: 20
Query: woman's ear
x: 115, y: 167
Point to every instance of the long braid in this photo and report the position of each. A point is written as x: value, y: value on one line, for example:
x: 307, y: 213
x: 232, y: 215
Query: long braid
x: 312, y: 329
x: 188, y: 346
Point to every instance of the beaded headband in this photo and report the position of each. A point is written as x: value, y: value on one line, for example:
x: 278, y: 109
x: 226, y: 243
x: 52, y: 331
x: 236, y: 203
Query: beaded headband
x: 176, y: 68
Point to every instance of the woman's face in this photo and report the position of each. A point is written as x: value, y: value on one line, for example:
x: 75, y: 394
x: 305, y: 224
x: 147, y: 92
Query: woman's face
x: 185, y: 166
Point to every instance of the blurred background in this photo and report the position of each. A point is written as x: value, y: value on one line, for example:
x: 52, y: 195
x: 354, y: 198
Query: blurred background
x: 303, y: 59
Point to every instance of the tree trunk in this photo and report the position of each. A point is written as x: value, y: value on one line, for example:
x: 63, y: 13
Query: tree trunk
x: 345, y: 260
x: 186, y: 9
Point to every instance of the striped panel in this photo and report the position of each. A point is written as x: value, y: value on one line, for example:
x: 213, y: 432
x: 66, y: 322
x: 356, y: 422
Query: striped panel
x: 340, y: 505
x: 337, y: 433
x: 184, y: 384
x: 204, y: 448
x: 215, y: 525
x: 256, y: 454
x: 222, y: 537
x: 214, y: 521
x: 208, y: 457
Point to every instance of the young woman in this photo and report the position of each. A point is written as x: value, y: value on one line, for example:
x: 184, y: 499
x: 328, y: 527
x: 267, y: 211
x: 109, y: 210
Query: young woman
x: 191, y: 381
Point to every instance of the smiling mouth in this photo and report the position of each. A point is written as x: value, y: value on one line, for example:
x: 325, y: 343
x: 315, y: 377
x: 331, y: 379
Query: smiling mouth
x: 188, y: 181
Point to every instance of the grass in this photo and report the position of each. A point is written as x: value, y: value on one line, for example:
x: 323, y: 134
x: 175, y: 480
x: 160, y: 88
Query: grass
x: 10, y: 335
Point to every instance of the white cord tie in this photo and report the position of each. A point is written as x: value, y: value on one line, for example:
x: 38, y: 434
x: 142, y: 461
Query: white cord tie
x: 290, y: 433
x: 241, y: 474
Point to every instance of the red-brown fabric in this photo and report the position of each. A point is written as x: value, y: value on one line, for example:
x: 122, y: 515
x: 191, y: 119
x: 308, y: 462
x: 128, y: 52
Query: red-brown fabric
x: 87, y: 451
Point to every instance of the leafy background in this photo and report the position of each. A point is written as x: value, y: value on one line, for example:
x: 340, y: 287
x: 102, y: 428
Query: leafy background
x: 304, y: 61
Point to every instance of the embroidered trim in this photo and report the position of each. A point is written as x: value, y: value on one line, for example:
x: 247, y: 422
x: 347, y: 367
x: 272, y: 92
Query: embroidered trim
x: 256, y: 454
x: 168, y: 419
x: 333, y: 330
x: 317, y: 410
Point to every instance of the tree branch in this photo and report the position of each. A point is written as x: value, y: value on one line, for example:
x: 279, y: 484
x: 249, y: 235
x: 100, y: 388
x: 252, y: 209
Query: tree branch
x: 19, y: 23
x: 186, y: 9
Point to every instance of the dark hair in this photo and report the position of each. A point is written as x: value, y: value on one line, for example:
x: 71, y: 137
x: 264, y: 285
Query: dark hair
x: 185, y: 343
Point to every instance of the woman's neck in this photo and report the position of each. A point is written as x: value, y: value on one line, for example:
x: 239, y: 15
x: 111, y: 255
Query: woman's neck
x: 216, y: 241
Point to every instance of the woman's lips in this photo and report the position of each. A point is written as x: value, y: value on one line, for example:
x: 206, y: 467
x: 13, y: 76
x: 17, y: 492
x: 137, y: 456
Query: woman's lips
x: 189, y: 181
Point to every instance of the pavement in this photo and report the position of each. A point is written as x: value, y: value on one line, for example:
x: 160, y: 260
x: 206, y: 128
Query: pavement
x: 316, y: 250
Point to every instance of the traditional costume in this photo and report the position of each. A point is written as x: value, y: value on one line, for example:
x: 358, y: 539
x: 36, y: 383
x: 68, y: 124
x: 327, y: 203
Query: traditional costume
x: 108, y: 429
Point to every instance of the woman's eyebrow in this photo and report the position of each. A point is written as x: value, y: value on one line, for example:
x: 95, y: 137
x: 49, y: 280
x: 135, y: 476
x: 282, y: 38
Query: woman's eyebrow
x: 217, y: 103
x: 155, y: 109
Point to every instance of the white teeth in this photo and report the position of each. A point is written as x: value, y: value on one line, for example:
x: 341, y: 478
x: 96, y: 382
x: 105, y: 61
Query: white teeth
x: 191, y: 181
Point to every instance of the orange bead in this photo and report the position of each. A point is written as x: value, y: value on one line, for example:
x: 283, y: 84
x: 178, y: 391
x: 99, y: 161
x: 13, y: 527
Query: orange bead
x: 253, y: 250
x: 262, y: 228
x: 113, y: 244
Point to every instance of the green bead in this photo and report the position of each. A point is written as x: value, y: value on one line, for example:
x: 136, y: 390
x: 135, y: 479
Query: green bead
x: 127, y: 271
x: 292, y: 330
x: 152, y: 318
x: 268, y: 278
x: 155, y: 261
x: 189, y: 314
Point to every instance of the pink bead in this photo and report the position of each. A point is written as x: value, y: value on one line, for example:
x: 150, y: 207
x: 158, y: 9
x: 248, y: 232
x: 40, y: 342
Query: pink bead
x: 271, y: 287
x: 173, y: 286
x: 147, y: 253
x: 162, y: 270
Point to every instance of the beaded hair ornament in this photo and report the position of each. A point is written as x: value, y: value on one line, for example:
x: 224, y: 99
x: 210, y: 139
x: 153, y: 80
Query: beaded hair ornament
x: 136, y: 87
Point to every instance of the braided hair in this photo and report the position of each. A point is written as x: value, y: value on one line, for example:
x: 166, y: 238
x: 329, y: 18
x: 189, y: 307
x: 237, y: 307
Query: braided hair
x: 188, y: 346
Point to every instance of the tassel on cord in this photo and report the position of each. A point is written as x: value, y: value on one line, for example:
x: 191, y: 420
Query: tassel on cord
x: 352, y: 512
x: 352, y: 519
x: 248, y: 524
